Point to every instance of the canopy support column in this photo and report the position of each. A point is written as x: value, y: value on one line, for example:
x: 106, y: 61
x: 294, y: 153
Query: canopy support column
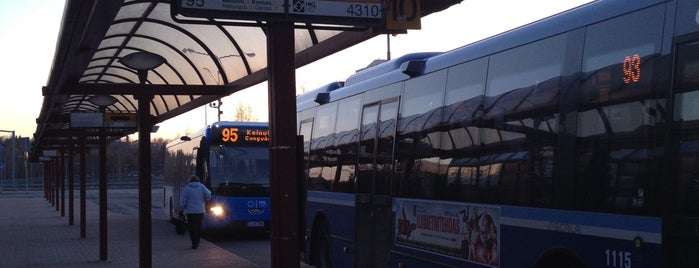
x: 83, y: 185
x: 103, y: 192
x: 282, y: 106
x: 145, y: 123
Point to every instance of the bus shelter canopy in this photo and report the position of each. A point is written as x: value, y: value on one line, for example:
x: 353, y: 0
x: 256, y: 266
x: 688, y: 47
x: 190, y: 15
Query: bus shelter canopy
x: 204, y: 59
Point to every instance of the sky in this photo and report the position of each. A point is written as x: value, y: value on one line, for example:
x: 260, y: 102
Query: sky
x: 29, y: 31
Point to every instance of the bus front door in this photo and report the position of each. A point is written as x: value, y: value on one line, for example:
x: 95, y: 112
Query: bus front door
x: 373, y: 202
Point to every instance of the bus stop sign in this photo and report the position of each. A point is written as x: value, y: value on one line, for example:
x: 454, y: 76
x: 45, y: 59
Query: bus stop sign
x: 354, y: 9
x: 221, y: 8
x: 339, y: 12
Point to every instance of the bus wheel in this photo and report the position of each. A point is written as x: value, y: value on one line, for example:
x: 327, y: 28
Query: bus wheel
x: 559, y: 258
x: 322, y: 249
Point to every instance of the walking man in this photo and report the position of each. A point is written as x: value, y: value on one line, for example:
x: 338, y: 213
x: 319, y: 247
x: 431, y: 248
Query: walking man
x: 193, y: 203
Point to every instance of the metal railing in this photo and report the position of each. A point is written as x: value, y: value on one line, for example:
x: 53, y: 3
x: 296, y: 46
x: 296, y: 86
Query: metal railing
x: 37, y: 184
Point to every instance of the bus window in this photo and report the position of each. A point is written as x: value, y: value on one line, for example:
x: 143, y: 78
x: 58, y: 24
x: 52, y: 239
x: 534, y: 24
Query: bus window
x: 534, y: 79
x: 421, y: 110
x: 321, y: 166
x: 422, y: 95
x: 384, y: 147
x: 618, y: 60
x: 367, y: 149
x: 520, y: 115
x: 324, y: 122
x: 305, y: 130
x: 616, y: 147
x: 464, y: 96
x: 345, y: 142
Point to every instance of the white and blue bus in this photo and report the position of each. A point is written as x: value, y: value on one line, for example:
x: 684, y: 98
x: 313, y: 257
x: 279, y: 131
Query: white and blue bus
x: 569, y: 142
x: 232, y: 160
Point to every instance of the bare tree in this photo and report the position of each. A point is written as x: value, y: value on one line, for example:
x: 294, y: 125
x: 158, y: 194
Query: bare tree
x: 302, y: 89
x: 243, y: 113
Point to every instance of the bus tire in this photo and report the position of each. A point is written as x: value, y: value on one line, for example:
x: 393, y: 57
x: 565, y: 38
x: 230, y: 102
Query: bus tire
x: 559, y: 258
x: 322, y: 248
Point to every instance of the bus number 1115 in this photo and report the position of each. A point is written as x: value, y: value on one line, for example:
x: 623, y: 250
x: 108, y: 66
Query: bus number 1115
x: 617, y: 258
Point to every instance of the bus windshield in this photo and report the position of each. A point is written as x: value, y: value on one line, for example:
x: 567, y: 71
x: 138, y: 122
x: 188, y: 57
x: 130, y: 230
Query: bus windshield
x: 239, y: 170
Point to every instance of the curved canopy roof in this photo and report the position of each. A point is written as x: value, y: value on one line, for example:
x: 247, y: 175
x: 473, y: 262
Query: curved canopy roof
x: 205, y: 59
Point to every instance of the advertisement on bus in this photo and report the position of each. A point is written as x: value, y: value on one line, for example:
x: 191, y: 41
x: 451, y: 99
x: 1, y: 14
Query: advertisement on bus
x: 467, y: 231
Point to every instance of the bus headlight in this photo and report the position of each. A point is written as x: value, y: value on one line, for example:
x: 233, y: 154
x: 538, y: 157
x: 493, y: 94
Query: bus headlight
x: 216, y: 210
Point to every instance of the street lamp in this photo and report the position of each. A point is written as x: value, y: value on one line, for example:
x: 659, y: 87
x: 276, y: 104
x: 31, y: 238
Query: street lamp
x: 143, y: 62
x: 102, y: 101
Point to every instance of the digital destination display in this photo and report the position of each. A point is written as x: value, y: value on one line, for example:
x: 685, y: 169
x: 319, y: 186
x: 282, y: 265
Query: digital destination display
x: 230, y: 135
x: 632, y: 69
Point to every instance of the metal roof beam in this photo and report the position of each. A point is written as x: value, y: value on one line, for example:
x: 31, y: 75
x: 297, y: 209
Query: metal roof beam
x: 150, y: 89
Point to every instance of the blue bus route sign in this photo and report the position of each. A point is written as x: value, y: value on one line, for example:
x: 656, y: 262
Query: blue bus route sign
x: 339, y: 12
x: 242, y: 6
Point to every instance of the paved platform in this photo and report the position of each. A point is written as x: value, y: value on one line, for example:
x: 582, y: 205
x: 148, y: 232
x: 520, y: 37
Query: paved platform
x: 34, y: 234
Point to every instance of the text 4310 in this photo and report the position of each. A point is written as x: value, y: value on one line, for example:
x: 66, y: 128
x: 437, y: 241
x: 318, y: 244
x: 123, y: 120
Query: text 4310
x: 363, y: 10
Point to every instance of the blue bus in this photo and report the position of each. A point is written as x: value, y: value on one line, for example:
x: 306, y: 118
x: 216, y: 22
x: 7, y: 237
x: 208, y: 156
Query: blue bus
x: 232, y: 160
x: 572, y: 141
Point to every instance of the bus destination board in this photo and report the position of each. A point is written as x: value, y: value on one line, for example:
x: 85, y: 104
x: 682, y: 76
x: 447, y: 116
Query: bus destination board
x: 238, y: 134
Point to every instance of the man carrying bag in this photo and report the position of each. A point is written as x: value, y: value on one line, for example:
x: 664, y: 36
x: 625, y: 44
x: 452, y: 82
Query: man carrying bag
x: 193, y: 203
